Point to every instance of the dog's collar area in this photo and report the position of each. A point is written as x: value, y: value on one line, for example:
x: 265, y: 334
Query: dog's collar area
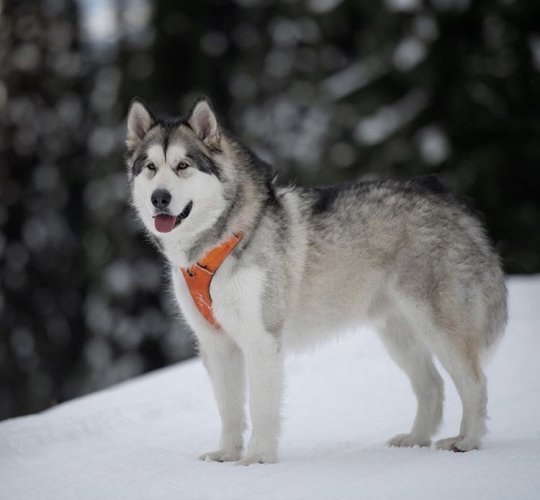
x: 199, y: 276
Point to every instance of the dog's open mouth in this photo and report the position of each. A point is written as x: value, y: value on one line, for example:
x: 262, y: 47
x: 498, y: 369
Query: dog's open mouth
x: 165, y: 223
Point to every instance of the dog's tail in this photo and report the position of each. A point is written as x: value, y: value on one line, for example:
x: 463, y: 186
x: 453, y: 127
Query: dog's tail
x: 497, y: 312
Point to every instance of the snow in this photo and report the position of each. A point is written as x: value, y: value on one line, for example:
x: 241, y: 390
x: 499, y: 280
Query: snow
x: 140, y: 439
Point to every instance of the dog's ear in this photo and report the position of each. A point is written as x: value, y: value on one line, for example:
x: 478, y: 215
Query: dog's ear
x: 203, y: 122
x: 140, y: 120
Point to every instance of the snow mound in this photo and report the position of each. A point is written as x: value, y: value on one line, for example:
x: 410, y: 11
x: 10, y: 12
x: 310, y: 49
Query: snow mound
x: 140, y: 439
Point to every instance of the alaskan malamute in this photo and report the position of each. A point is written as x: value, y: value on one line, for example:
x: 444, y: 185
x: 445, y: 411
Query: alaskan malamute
x: 258, y: 269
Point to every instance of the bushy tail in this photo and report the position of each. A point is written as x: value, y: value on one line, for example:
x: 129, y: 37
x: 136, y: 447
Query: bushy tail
x: 497, y: 312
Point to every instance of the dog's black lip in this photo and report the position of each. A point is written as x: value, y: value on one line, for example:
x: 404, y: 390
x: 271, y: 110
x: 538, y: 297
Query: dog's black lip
x: 184, y: 213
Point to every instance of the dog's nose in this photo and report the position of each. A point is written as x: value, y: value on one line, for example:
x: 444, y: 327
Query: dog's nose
x: 161, y: 198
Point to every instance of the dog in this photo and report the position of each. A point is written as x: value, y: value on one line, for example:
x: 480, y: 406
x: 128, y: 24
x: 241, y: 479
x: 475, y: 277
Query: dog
x: 296, y: 264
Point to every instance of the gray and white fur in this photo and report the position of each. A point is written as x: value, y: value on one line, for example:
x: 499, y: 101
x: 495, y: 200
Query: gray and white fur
x: 404, y: 256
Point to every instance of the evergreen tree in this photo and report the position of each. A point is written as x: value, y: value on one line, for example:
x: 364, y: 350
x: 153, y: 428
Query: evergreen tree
x: 43, y: 125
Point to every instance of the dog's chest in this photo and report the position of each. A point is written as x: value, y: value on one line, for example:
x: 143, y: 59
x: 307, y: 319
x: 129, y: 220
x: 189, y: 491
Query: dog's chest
x: 235, y: 298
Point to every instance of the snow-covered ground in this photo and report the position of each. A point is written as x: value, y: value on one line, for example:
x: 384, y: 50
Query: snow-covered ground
x: 140, y: 439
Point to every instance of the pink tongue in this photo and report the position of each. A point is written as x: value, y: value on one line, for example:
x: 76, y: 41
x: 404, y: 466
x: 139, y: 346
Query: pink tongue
x: 164, y: 223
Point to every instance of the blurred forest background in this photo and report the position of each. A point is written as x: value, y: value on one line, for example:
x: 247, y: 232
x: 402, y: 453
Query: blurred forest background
x: 326, y: 90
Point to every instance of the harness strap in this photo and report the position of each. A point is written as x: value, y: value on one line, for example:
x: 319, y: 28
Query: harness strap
x: 199, y: 276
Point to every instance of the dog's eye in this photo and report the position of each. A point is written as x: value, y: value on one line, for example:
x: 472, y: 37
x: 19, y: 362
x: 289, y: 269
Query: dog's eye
x: 151, y: 167
x: 182, y: 165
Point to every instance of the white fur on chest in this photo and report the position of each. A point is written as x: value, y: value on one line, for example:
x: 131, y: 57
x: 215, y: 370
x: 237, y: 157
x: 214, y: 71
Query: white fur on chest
x: 236, y: 300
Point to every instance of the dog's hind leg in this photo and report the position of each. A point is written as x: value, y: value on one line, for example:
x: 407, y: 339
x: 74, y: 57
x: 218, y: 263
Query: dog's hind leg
x: 463, y: 364
x: 225, y: 365
x: 416, y: 361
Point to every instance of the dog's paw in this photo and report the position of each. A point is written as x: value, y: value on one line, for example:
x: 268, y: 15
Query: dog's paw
x: 409, y: 440
x: 258, y: 458
x: 222, y: 456
x: 458, y: 444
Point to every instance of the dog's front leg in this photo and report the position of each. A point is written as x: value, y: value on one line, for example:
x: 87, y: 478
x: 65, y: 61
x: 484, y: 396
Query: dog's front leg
x: 264, y: 363
x: 225, y: 365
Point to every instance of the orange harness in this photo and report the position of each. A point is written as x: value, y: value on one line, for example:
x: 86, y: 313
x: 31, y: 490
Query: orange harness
x: 199, y: 276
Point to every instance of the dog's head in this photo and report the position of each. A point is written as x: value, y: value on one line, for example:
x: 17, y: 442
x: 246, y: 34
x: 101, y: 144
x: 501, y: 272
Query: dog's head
x: 181, y: 170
